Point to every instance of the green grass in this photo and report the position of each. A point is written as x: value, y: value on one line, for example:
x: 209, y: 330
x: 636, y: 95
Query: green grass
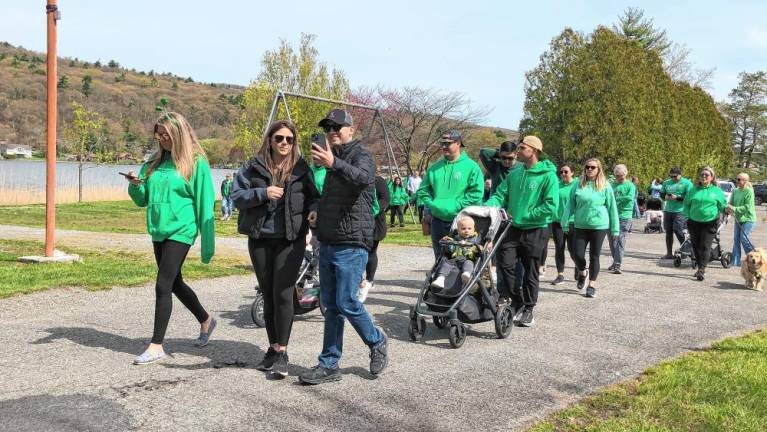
x: 410, y: 235
x: 102, y: 216
x: 723, y: 388
x: 99, y: 270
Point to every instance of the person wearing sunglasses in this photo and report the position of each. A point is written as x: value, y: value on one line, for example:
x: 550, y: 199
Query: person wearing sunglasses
x: 450, y: 185
x: 592, y: 202
x: 175, y: 186
x: 563, y: 241
x: 625, y: 199
x: 345, y: 228
x: 498, y: 162
x: 673, y: 191
x: 702, y: 206
x: 276, y: 196
x: 743, y: 207
x: 530, y: 195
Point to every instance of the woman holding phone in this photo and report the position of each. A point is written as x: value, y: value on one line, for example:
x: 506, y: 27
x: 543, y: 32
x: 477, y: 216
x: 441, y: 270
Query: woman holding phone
x: 176, y: 188
x: 276, y: 196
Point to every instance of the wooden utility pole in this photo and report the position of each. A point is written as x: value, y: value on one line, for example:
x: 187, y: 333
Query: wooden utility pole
x: 52, y: 13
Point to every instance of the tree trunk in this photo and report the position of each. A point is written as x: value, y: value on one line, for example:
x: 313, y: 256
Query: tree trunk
x: 80, y: 180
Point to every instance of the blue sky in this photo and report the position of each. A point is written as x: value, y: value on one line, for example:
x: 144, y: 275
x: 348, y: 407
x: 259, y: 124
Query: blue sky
x: 480, y: 48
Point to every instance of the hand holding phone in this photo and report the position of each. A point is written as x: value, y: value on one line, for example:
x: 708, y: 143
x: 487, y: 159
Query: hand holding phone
x: 131, y: 177
x: 320, y: 140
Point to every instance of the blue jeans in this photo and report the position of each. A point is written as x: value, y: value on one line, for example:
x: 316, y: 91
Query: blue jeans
x: 226, y: 206
x: 742, y: 231
x: 341, y: 268
x: 618, y: 246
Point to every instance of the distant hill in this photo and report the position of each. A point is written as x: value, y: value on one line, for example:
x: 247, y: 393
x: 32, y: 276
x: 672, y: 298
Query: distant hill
x: 125, y: 99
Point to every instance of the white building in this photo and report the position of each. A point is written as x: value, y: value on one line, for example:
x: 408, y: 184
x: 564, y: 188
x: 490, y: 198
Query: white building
x: 16, y: 150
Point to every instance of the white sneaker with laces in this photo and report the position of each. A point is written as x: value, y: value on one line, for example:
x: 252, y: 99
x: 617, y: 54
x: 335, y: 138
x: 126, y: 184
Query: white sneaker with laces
x: 439, y: 282
x: 465, y: 276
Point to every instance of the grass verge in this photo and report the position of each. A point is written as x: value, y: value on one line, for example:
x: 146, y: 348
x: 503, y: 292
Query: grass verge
x: 723, y: 388
x: 99, y: 270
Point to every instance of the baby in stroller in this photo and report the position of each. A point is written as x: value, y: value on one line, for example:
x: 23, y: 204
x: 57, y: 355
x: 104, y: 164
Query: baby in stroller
x: 654, y: 216
x: 463, y: 252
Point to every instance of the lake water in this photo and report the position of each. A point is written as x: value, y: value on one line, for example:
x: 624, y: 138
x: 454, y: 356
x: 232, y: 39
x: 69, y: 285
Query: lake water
x: 23, y: 182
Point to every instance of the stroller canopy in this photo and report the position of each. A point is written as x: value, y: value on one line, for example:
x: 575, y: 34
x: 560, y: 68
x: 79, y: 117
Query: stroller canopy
x: 495, y: 216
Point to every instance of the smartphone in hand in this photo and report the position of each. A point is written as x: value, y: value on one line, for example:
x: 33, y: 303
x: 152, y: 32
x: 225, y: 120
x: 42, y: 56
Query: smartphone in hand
x: 319, y: 139
x: 128, y: 176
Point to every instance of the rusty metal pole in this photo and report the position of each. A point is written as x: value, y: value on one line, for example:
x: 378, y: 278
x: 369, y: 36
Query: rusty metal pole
x: 51, y: 12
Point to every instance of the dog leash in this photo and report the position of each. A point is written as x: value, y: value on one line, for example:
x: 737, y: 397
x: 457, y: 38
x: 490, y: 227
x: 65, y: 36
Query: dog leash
x: 743, y: 235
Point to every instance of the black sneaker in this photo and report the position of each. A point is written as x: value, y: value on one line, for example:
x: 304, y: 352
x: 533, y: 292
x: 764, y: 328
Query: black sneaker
x: 379, y: 358
x: 517, y: 310
x: 667, y: 256
x: 280, y: 366
x: 559, y: 280
x: 320, y: 375
x: 699, y: 275
x: 617, y: 270
x: 267, y: 362
x: 581, y: 280
x: 591, y: 292
x: 526, y: 319
x: 611, y: 268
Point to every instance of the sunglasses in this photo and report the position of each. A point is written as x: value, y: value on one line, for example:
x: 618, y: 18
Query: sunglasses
x: 705, y: 175
x: 446, y: 143
x: 591, y: 167
x: 507, y: 158
x: 334, y: 128
x: 159, y: 135
x: 741, y: 179
x: 564, y: 172
x: 279, y: 138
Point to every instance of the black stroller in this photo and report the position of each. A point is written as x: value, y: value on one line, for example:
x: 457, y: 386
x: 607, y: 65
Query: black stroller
x: 308, y: 279
x: 685, y: 249
x: 471, y: 302
x: 654, y: 215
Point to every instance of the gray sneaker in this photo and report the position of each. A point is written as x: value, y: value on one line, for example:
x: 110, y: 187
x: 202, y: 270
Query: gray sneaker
x: 149, y: 357
x: 379, y: 357
x: 591, y: 292
x: 204, y: 338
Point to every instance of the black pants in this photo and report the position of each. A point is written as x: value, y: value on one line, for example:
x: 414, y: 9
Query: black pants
x: 396, y: 209
x: 594, y: 240
x: 702, y: 236
x: 372, y: 265
x: 562, y: 242
x: 524, y: 245
x: 276, y: 262
x: 673, y: 223
x: 170, y: 256
x: 420, y: 214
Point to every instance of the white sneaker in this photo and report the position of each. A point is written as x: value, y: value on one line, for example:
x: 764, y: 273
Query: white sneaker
x: 494, y: 277
x: 439, y: 282
x: 364, y: 290
x: 465, y: 276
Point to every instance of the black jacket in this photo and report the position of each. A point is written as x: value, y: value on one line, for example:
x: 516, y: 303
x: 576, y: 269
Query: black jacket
x: 382, y: 193
x: 249, y: 196
x: 345, y: 214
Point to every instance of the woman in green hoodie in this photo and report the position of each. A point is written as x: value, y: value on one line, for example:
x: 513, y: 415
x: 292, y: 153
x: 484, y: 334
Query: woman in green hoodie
x: 563, y: 241
x: 176, y: 188
x: 743, y: 207
x: 593, y: 204
x: 702, y: 207
x: 398, y: 197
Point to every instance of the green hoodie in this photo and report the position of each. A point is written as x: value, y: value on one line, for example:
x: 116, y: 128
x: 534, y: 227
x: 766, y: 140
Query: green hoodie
x: 319, y: 172
x: 564, y: 199
x: 449, y: 187
x: 530, y: 195
x: 397, y: 195
x: 680, y: 189
x: 742, y: 201
x: 625, y: 197
x: 594, y: 210
x: 178, y: 209
x: 703, y: 204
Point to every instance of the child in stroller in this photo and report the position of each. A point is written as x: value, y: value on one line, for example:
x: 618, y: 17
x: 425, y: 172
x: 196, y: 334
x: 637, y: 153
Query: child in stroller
x: 471, y: 299
x: 463, y: 249
x: 654, y: 216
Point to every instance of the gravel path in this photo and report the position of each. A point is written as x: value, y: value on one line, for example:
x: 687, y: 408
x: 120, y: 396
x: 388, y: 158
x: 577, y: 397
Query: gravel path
x: 65, y: 354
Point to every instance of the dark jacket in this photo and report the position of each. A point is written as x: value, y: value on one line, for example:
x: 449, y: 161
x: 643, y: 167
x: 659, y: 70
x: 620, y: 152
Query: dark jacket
x: 345, y: 214
x: 249, y: 196
x: 382, y: 193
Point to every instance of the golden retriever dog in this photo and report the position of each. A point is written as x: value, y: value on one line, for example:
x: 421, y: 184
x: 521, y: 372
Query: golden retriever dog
x: 754, y: 269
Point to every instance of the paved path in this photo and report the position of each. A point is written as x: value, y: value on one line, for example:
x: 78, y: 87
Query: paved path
x: 65, y: 354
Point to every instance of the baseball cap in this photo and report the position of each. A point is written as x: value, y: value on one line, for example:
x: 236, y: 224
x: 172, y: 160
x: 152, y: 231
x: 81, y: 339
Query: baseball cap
x: 337, y: 116
x: 533, y: 141
x: 452, y: 135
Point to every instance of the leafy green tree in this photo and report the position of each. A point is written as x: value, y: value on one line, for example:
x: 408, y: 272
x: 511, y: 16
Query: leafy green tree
x: 63, y: 82
x: 86, y: 86
x: 634, y: 26
x: 746, y: 112
x: 82, y: 134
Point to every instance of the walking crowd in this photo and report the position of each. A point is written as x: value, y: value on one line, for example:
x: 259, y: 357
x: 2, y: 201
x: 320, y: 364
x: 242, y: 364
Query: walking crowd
x: 337, y: 201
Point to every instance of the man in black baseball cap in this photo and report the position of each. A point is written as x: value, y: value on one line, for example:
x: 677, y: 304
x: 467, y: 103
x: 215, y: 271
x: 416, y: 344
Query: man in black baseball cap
x: 336, y: 117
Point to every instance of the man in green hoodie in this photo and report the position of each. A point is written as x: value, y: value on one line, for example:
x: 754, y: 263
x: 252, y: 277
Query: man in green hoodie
x: 530, y: 195
x: 450, y: 185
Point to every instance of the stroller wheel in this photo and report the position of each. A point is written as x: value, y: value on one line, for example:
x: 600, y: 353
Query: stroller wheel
x: 440, y: 322
x: 257, y: 310
x: 457, y: 335
x: 726, y: 259
x: 504, y: 322
x: 416, y: 328
x: 677, y: 261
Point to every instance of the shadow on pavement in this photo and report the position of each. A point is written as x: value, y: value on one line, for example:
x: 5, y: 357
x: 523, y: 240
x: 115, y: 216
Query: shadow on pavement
x: 732, y: 286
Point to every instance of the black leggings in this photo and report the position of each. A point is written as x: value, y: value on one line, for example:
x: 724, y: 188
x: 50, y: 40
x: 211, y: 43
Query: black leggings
x: 396, y: 209
x: 593, y: 238
x: 170, y: 256
x: 562, y: 242
x: 372, y: 265
x: 702, y: 237
x: 276, y: 262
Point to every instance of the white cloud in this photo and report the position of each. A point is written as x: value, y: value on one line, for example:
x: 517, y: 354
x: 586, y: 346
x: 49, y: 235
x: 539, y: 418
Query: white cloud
x: 757, y: 37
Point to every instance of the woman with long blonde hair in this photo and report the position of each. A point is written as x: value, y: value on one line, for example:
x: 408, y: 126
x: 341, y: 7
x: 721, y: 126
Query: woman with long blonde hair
x: 593, y: 204
x: 275, y: 193
x: 176, y: 187
x: 743, y: 207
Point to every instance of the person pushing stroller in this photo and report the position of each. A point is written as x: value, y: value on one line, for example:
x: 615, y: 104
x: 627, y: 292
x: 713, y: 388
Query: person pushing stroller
x: 464, y: 252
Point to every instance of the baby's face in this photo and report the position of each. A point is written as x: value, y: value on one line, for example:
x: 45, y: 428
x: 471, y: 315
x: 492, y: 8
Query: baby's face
x: 466, y: 228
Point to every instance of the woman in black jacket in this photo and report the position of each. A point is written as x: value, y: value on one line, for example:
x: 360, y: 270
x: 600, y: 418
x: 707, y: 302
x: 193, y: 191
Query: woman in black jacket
x: 275, y: 194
